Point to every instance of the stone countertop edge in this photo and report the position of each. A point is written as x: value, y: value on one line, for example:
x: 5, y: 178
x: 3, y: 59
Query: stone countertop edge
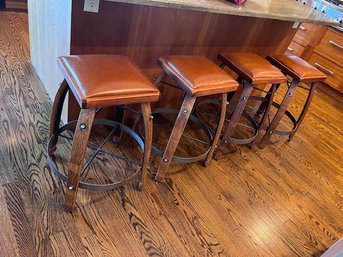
x: 338, y: 28
x: 287, y: 10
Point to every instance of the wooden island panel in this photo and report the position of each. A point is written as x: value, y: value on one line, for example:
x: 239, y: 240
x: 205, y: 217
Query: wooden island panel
x: 16, y: 4
x: 147, y: 32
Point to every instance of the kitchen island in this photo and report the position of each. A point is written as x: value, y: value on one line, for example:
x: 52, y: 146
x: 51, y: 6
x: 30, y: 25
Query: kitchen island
x: 146, y: 30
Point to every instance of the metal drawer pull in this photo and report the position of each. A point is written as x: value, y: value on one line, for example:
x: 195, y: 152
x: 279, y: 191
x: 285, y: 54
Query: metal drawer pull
x: 290, y: 49
x: 302, y: 28
x: 335, y: 44
x: 324, y: 69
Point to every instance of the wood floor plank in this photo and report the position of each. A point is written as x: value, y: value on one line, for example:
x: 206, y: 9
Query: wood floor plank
x: 205, y: 199
x: 150, y: 224
x: 188, y: 224
x: 7, y: 235
x: 20, y: 221
x: 111, y: 220
x: 64, y: 245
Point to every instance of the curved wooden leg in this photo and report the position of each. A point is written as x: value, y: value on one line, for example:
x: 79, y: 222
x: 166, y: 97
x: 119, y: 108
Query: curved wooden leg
x: 121, y: 116
x: 55, y: 118
x: 247, y: 88
x: 159, y: 78
x: 233, y: 93
x: 264, y: 105
x: 279, y: 114
x: 78, y: 151
x: 218, y: 131
x: 147, y: 118
x: 269, y: 102
x: 304, y: 110
x: 175, y: 136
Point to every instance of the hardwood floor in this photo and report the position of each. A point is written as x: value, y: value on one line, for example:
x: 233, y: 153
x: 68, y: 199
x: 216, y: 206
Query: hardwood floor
x: 286, y: 200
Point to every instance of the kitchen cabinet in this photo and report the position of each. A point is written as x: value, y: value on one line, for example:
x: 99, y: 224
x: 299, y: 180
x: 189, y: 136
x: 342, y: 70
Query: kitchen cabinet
x: 322, y: 47
x: 328, y: 57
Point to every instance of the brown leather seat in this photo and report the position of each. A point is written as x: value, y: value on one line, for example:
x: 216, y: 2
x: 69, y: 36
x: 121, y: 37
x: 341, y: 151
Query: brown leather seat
x: 297, y: 68
x: 197, y: 75
x: 106, y: 80
x: 252, y: 68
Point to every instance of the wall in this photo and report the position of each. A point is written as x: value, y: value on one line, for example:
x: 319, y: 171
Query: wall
x: 49, y: 27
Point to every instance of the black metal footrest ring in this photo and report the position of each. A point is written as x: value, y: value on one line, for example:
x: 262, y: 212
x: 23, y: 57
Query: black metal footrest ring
x: 291, y: 117
x: 180, y: 159
x: 89, y: 186
x: 238, y: 141
x: 288, y: 114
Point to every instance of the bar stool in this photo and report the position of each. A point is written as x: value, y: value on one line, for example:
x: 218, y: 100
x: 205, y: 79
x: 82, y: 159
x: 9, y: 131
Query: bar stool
x: 196, y: 76
x: 252, y: 70
x: 99, y: 81
x: 299, y: 71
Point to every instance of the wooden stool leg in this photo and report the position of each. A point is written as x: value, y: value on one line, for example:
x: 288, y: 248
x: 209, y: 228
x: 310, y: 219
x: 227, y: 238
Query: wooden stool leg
x: 269, y: 102
x: 159, y: 78
x: 219, y: 130
x: 121, y: 116
x: 78, y: 151
x: 232, y: 94
x: 264, y: 104
x: 279, y: 114
x: 56, y: 114
x: 247, y: 88
x: 147, y: 118
x: 305, y: 109
x: 175, y: 136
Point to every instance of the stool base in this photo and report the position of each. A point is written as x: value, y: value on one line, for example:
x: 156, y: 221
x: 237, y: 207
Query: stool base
x: 238, y: 141
x: 98, y: 187
x: 282, y: 110
x: 182, y: 159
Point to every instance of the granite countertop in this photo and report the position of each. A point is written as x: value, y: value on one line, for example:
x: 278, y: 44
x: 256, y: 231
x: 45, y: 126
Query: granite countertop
x: 288, y: 10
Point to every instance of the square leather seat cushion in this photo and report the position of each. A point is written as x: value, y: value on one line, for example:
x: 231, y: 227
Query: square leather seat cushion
x: 252, y: 68
x: 297, y: 68
x: 106, y: 80
x: 197, y: 75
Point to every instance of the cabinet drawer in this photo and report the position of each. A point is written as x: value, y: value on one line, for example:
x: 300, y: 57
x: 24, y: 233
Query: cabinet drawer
x: 305, y: 34
x: 295, y: 48
x: 333, y: 72
x: 331, y: 46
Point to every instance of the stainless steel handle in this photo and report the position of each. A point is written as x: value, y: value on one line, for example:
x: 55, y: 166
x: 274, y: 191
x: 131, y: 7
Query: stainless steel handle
x: 302, y: 28
x: 290, y: 49
x: 324, y: 69
x: 335, y: 44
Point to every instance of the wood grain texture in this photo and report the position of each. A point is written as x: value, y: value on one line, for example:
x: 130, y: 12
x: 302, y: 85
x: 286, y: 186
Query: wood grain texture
x: 285, y: 200
x: 147, y: 120
x: 77, y: 155
x: 175, y: 136
x: 179, y: 32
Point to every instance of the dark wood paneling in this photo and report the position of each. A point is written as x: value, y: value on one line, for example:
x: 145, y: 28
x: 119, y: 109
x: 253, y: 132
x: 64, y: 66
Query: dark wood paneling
x: 146, y: 33
x: 16, y: 4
